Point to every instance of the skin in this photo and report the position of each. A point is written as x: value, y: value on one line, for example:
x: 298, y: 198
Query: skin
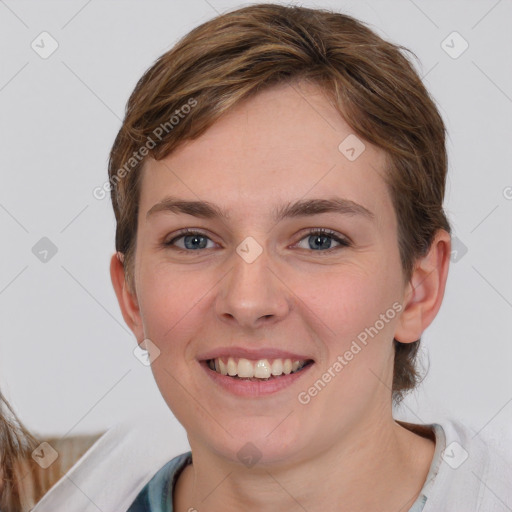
x: 343, y: 447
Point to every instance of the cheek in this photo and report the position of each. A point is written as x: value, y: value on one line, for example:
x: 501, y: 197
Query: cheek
x: 169, y: 304
x: 350, y: 300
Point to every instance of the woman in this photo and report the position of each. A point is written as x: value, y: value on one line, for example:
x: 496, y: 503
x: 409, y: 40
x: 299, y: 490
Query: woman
x: 281, y: 243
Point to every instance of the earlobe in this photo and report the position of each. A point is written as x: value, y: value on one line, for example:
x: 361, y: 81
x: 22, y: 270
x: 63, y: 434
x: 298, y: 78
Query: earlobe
x: 425, y: 290
x: 126, y: 298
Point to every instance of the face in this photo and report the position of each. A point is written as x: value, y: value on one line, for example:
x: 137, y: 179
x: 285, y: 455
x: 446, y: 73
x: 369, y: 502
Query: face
x: 261, y: 283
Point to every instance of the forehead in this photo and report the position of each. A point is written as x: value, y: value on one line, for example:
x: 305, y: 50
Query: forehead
x: 285, y: 143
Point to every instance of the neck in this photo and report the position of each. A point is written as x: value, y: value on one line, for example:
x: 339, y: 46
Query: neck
x: 389, y: 453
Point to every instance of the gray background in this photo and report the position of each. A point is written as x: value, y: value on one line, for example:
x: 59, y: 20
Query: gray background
x: 66, y: 356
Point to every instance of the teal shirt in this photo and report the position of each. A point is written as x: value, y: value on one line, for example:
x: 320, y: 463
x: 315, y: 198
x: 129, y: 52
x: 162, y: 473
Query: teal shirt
x: 157, y: 494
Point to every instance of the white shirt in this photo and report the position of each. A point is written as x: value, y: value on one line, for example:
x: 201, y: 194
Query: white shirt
x: 469, y: 472
x: 474, y: 472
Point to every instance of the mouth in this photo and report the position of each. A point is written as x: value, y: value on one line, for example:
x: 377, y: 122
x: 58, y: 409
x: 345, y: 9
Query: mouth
x: 254, y: 372
x: 260, y: 370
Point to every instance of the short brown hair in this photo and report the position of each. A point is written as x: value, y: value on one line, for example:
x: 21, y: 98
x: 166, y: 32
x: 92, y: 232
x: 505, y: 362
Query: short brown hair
x: 234, y: 56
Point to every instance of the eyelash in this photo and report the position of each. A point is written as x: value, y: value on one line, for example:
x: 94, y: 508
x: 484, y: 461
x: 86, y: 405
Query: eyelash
x: 316, y: 231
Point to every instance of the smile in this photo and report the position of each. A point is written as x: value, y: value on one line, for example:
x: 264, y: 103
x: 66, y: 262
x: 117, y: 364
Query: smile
x: 255, y: 378
x: 261, y: 369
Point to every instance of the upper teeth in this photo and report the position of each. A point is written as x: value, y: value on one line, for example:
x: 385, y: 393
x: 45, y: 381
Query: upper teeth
x: 261, y: 369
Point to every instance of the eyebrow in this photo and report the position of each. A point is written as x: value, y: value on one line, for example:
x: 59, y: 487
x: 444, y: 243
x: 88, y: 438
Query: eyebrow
x: 301, y: 208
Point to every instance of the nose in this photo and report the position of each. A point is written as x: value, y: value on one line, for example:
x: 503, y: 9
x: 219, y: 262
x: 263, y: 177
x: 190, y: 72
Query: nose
x: 253, y: 294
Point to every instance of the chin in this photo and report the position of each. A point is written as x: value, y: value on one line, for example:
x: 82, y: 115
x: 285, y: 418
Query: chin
x: 263, y: 441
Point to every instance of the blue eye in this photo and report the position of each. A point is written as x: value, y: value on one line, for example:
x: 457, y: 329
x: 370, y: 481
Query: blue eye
x: 193, y: 240
x: 320, y: 240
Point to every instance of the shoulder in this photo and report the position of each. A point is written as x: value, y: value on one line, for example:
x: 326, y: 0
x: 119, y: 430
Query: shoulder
x: 113, y: 471
x: 474, y: 470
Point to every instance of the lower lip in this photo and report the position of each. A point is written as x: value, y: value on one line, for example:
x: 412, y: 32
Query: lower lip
x: 251, y: 388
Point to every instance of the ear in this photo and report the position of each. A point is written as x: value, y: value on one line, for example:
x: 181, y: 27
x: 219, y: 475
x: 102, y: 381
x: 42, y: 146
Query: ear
x: 425, y: 290
x: 126, y: 298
